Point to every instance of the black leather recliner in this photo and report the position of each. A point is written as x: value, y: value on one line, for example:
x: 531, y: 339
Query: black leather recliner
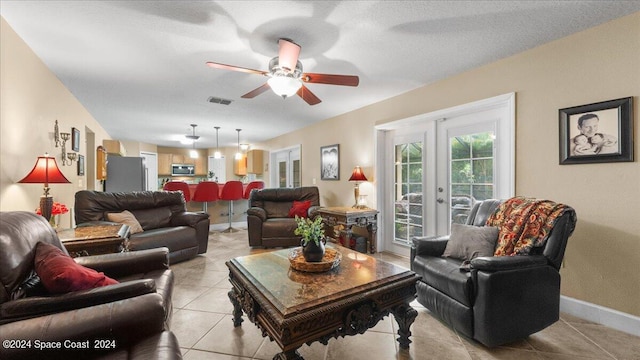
x: 502, y: 298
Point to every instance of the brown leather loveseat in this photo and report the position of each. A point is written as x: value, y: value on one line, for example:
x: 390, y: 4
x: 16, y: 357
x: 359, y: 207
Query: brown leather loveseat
x: 163, y: 216
x: 268, y: 219
x: 127, y: 320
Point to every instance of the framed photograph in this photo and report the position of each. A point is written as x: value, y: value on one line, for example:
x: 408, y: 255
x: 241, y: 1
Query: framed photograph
x: 330, y: 162
x: 80, y: 165
x: 597, y: 133
x: 75, y: 139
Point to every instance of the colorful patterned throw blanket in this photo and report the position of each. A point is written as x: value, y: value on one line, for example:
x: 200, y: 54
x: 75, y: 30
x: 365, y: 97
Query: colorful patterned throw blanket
x: 524, y: 224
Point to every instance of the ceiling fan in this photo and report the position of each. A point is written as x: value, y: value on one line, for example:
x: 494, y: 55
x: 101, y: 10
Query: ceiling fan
x: 286, y: 77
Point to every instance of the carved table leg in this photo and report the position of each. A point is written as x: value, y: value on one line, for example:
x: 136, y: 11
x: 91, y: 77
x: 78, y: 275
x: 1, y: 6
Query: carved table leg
x: 288, y: 355
x: 405, y: 316
x: 237, y: 309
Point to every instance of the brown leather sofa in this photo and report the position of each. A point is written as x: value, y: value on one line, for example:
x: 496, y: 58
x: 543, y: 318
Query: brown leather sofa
x: 163, y: 216
x: 131, y: 318
x: 268, y: 220
x: 499, y: 299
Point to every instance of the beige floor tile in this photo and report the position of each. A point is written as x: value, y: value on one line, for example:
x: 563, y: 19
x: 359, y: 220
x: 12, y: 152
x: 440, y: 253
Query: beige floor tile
x: 368, y: 346
x: 214, y: 300
x: 621, y: 345
x: 226, y: 339
x: 269, y: 349
x: 385, y: 325
x: 424, y: 348
x: 560, y: 338
x: 503, y: 354
x: 190, y: 326
x: 184, y: 294
x: 427, y: 326
x: 206, y: 355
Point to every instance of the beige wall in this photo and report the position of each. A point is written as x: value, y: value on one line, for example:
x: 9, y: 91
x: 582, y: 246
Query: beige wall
x: 31, y: 99
x: 598, y: 64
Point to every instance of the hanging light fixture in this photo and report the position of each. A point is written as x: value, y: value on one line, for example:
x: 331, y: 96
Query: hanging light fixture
x: 238, y: 154
x: 217, y: 154
x: 193, y: 153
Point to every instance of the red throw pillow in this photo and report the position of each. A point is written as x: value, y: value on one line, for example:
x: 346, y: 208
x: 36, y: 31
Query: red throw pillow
x: 60, y: 274
x: 300, y: 208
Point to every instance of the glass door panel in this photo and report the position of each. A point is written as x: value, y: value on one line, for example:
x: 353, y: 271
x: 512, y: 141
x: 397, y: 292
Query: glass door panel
x: 408, y: 221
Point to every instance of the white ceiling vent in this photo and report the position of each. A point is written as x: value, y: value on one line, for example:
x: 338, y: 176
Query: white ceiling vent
x: 217, y: 100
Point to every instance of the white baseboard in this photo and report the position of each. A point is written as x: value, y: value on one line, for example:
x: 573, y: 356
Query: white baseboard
x: 601, y: 315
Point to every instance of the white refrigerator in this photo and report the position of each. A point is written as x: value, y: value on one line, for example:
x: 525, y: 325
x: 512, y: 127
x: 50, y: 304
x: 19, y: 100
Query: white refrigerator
x: 125, y: 174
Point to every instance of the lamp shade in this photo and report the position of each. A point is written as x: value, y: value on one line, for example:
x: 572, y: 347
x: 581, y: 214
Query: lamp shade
x: 46, y: 172
x: 283, y: 85
x: 357, y: 175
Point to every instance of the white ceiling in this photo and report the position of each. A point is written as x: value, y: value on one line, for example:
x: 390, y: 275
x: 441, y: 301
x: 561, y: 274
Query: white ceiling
x: 139, y: 66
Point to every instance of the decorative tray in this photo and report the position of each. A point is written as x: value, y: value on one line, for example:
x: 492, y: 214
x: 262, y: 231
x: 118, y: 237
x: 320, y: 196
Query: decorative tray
x: 330, y: 260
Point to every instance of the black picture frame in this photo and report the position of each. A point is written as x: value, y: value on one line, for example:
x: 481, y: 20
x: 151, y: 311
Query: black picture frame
x: 330, y: 162
x: 75, y: 139
x: 80, y: 165
x: 597, y: 133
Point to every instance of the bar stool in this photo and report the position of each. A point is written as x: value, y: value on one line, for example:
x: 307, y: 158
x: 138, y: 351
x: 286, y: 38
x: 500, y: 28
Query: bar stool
x: 179, y: 185
x: 258, y: 184
x: 205, y: 192
x: 231, y: 191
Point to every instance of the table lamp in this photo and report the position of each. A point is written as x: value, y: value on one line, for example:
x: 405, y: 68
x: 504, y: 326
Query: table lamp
x: 357, y: 176
x: 46, y: 172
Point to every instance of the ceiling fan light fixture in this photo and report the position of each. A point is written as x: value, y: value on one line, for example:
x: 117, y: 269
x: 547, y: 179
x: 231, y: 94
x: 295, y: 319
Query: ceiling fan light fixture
x: 284, y: 85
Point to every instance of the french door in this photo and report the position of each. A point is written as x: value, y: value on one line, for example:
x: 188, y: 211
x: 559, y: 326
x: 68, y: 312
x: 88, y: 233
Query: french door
x: 287, y: 168
x: 437, y: 166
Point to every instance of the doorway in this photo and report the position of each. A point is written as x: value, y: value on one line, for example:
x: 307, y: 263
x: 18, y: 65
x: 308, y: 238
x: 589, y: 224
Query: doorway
x: 436, y: 166
x: 150, y: 170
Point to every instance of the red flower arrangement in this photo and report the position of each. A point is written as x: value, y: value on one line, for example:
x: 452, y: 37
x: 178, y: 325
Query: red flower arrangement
x: 57, y: 209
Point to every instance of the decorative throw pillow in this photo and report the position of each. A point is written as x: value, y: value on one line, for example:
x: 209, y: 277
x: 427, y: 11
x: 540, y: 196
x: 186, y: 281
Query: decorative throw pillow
x: 61, y: 274
x: 467, y: 242
x: 127, y: 218
x: 300, y: 208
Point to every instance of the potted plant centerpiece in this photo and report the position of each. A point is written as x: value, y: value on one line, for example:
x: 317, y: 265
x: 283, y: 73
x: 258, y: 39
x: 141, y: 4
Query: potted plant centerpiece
x: 312, y: 232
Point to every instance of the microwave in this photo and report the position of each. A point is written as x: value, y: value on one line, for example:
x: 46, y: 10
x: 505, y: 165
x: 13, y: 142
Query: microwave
x: 182, y: 170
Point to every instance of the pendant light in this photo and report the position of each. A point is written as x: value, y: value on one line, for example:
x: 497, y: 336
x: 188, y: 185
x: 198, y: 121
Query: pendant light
x: 217, y: 154
x: 238, y: 154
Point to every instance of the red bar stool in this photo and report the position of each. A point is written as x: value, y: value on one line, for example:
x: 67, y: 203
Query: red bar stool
x: 205, y: 192
x: 231, y: 190
x: 179, y: 185
x: 258, y: 184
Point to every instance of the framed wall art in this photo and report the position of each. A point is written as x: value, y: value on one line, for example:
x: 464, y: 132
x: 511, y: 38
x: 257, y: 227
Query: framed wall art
x: 597, y: 133
x: 330, y: 162
x: 80, y: 165
x: 75, y: 139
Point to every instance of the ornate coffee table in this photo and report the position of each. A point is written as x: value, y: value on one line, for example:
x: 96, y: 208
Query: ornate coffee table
x: 294, y: 308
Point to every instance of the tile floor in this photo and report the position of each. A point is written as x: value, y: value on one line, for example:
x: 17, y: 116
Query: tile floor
x: 202, y: 322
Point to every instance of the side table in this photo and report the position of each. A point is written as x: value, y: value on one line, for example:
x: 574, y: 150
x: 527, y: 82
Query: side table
x: 95, y: 239
x: 348, y: 217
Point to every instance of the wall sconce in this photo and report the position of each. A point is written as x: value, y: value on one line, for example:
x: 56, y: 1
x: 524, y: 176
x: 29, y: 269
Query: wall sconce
x: 56, y: 134
x: 64, y: 137
x: 357, y: 176
x: 72, y: 157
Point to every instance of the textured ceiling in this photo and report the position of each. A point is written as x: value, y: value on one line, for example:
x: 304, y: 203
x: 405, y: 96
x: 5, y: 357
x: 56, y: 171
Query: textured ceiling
x: 139, y: 66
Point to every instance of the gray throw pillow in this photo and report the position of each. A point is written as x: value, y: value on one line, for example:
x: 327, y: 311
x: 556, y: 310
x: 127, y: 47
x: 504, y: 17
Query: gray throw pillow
x: 467, y: 242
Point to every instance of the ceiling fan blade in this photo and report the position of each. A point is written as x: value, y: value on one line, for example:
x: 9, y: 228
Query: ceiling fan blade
x: 308, y: 96
x: 234, y: 68
x: 255, y: 92
x: 288, y: 54
x: 346, y: 80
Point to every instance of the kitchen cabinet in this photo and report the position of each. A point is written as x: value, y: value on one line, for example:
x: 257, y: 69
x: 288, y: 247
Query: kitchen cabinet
x: 255, y: 163
x: 177, y: 159
x: 164, y: 164
x: 201, y: 166
x: 240, y: 166
x: 114, y: 147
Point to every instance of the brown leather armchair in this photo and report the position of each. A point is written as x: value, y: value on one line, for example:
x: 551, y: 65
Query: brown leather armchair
x: 499, y: 299
x: 132, y: 316
x: 268, y: 220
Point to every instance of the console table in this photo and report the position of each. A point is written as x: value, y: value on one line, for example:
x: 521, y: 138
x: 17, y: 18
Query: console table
x: 95, y: 239
x: 348, y: 217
